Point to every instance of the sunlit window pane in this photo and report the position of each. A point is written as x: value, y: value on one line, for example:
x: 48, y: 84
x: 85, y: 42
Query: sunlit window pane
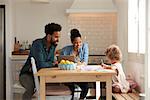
x: 132, y: 26
x: 142, y: 26
x: 136, y: 26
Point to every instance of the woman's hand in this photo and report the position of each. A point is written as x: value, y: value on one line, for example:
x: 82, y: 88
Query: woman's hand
x: 80, y: 64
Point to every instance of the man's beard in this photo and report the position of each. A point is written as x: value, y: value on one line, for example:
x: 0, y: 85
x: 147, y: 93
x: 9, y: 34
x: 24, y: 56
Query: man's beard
x: 55, y: 43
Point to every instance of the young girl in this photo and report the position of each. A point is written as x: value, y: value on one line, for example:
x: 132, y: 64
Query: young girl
x: 120, y: 84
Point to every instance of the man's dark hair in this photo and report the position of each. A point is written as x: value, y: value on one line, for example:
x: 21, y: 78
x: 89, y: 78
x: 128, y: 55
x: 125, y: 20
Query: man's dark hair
x: 50, y: 28
x: 74, y: 33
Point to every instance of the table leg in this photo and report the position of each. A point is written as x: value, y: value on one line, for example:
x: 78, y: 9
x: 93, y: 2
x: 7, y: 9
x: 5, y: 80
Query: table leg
x: 109, y: 89
x: 42, y: 88
x: 98, y: 90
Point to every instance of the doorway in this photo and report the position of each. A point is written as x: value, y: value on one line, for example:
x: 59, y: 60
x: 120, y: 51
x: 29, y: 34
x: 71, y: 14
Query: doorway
x: 2, y: 54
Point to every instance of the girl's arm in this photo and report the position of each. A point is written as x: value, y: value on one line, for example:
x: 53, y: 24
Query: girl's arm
x: 110, y: 67
x: 106, y: 66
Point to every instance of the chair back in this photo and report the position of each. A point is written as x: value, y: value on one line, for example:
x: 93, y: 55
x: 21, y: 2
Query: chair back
x: 50, y: 90
x: 36, y: 80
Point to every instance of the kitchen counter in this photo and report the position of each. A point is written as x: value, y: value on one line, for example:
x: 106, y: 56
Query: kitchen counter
x: 19, y: 57
x: 92, y: 59
x: 23, y: 52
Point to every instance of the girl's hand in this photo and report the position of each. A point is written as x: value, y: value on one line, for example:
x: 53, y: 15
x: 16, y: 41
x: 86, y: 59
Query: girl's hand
x: 106, y: 66
x: 103, y: 65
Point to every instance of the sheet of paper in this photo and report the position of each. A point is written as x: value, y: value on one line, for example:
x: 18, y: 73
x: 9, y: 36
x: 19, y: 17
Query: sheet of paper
x: 91, y: 67
x: 104, y: 70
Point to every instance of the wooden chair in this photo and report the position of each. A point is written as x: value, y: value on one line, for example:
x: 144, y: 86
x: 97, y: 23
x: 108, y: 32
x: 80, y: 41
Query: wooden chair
x: 53, y: 92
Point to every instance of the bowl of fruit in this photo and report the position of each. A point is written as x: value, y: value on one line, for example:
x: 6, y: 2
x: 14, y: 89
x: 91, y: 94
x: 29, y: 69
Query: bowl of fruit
x: 67, y: 65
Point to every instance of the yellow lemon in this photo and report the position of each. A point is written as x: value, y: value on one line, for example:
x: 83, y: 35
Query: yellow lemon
x: 71, y: 62
x: 67, y: 62
x: 62, y: 62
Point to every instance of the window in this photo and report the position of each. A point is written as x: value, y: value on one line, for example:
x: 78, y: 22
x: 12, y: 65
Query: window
x: 136, y: 26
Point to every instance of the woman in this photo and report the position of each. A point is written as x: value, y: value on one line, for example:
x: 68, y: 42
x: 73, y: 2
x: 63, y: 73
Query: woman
x: 80, y: 51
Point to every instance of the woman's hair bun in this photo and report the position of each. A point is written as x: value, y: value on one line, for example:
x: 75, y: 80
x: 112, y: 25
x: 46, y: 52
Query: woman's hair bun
x: 74, y: 31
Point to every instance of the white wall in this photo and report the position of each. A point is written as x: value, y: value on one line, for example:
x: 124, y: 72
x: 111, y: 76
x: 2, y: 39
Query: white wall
x: 9, y: 46
x: 31, y: 17
x: 147, y: 58
x: 122, y: 7
x: 135, y: 68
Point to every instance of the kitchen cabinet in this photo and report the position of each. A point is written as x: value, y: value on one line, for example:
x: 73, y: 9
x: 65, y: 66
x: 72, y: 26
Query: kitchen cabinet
x: 17, y: 61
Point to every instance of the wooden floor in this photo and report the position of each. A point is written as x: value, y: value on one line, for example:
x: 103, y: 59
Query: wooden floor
x: 126, y: 96
x: 18, y: 96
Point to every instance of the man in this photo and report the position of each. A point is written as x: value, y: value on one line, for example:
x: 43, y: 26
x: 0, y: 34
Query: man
x: 43, y: 51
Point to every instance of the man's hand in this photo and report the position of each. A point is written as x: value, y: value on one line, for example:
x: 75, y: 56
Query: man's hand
x: 55, y: 63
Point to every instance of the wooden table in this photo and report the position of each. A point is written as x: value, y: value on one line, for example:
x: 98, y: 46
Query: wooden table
x: 54, y: 75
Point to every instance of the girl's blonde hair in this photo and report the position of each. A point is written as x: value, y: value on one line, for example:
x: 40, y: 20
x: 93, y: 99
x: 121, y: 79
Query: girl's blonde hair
x: 113, y: 53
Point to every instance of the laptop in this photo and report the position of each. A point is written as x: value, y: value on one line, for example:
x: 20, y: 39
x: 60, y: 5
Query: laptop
x: 65, y: 57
